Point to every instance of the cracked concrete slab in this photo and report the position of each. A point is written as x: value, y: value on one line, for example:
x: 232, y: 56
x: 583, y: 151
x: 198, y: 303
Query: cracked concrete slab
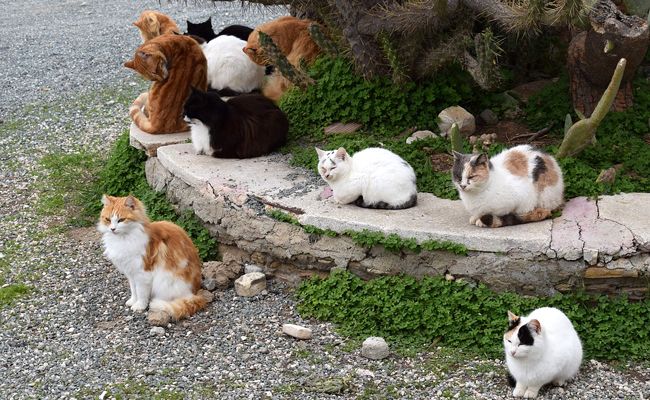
x: 631, y: 210
x: 274, y: 182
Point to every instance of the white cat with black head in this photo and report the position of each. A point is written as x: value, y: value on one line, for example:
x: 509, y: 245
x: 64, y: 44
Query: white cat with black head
x: 541, y: 348
x: 372, y: 178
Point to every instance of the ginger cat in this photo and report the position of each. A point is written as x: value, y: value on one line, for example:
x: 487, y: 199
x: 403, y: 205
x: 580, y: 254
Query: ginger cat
x: 158, y: 258
x: 290, y: 34
x: 153, y: 23
x: 174, y: 63
x: 292, y: 37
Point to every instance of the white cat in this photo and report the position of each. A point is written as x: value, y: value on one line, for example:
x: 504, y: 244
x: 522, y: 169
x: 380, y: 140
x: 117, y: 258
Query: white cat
x: 541, y: 348
x: 518, y: 185
x: 229, y: 67
x: 372, y: 178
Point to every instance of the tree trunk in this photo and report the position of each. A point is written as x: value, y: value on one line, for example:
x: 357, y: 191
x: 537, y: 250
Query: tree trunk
x: 593, y: 55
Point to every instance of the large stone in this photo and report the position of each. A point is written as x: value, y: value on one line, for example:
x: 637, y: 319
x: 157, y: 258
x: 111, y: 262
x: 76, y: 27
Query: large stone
x: 374, y: 348
x: 419, y: 135
x: 489, y: 117
x: 249, y: 285
x: 219, y: 274
x: 297, y: 331
x: 460, y: 116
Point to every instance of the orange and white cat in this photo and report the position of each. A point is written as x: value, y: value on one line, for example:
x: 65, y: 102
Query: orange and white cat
x: 174, y: 63
x: 158, y: 258
x: 153, y: 23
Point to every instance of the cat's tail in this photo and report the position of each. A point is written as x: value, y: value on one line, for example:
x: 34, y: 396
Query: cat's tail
x: 179, y: 308
x: 493, y: 221
x: 411, y: 202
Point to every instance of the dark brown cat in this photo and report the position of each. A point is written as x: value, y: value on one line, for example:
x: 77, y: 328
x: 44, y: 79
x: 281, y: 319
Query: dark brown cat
x: 153, y: 23
x: 174, y: 63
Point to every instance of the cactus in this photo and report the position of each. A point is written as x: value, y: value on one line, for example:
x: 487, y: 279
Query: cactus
x: 455, y: 138
x: 279, y: 60
x: 582, y: 133
x: 319, y: 37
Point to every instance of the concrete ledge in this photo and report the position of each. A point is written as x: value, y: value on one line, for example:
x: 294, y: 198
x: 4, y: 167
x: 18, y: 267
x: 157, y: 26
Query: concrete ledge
x: 598, y: 245
x: 150, y: 143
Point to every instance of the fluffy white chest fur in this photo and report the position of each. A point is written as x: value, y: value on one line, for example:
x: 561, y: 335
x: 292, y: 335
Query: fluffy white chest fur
x: 126, y: 251
x: 229, y: 67
x: 200, y: 134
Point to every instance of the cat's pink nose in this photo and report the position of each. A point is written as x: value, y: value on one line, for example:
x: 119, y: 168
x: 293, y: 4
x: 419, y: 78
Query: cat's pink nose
x: 513, y: 352
x: 463, y: 186
x: 112, y: 229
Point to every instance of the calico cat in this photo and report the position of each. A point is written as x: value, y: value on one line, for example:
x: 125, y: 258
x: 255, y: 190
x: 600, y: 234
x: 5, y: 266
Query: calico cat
x: 173, y: 63
x: 229, y: 68
x: 372, y: 178
x: 541, y: 348
x: 153, y: 23
x: 290, y: 34
x: 518, y: 185
x: 158, y: 258
x: 245, y: 126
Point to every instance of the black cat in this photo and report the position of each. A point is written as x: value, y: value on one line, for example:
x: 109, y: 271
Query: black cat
x: 204, y: 30
x: 249, y: 125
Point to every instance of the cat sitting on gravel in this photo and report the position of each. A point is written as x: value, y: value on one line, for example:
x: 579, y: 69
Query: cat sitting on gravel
x: 173, y: 63
x: 372, y: 178
x: 245, y: 126
x: 541, y: 348
x: 153, y: 23
x: 518, y: 185
x: 158, y: 258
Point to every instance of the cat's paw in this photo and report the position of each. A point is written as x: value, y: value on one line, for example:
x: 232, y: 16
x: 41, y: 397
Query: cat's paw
x: 518, y: 391
x: 139, y: 306
x: 130, y: 302
x: 530, y: 393
x: 472, y: 219
x: 480, y: 223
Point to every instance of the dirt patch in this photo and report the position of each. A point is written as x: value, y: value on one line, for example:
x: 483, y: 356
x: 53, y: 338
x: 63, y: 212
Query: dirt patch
x: 526, y: 90
x: 88, y: 234
x: 512, y: 133
x: 442, y: 162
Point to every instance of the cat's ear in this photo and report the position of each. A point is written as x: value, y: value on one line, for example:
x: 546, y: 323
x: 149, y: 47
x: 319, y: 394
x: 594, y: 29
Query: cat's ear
x: 341, y: 153
x: 457, y: 155
x: 321, y: 153
x: 512, y: 316
x: 106, y: 199
x: 479, y: 160
x: 534, y: 325
x: 131, y: 202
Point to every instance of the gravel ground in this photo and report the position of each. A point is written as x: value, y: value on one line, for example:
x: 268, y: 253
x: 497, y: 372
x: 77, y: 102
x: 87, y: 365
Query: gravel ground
x: 64, y: 88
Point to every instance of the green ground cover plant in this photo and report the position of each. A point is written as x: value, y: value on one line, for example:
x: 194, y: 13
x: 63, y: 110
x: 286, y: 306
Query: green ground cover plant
x: 416, y: 313
x: 120, y: 174
x: 389, y: 112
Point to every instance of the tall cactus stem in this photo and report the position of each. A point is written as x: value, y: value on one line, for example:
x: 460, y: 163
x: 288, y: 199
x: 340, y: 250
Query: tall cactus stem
x: 583, y: 133
x: 455, y: 138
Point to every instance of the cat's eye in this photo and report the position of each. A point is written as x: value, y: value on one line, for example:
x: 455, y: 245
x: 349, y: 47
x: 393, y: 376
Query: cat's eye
x: 509, y: 341
x: 120, y: 220
x: 107, y: 219
x: 471, y: 177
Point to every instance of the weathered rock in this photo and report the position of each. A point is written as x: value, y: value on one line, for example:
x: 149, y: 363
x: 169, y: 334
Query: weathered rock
x: 157, y: 330
x: 297, y: 331
x: 250, y: 284
x: 489, y: 117
x: 158, y: 318
x: 248, y: 268
x: 209, y: 284
x: 221, y: 273
x: 420, y: 135
x: 460, y: 116
x: 374, y: 348
x: 364, y: 373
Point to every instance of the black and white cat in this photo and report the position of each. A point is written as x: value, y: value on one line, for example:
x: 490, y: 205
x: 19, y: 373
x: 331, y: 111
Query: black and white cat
x: 204, y: 30
x: 541, y: 348
x: 245, y: 126
x: 372, y: 178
